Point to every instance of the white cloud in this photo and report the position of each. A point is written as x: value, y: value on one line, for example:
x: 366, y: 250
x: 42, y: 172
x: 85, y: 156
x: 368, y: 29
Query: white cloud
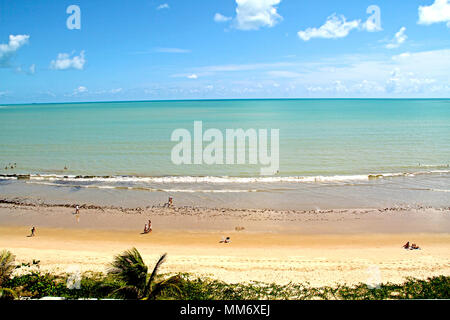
x: 339, y: 88
x: 335, y: 27
x: 419, y: 74
x: 79, y: 90
x: 254, y: 14
x: 192, y: 76
x: 439, y: 11
x: 367, y: 87
x: 414, y: 74
x: 221, y: 18
x: 104, y: 91
x: 29, y: 71
x: 163, y: 6
x: 8, y: 50
x: 399, y: 38
x: 64, y: 62
x: 118, y: 90
x: 408, y: 82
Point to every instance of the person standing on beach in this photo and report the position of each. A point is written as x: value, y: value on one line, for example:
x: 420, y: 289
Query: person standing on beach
x: 148, y: 227
x: 33, y: 231
x: 77, y: 210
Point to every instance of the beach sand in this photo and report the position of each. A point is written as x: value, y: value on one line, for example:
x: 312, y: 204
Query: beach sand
x: 319, y: 248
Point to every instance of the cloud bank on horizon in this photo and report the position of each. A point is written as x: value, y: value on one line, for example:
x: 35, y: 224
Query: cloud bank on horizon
x: 239, y: 49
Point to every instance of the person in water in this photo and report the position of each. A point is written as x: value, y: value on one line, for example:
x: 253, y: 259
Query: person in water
x: 169, y: 203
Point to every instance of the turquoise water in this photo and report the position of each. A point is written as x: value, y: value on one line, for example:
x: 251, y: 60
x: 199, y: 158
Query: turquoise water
x: 317, y: 137
x: 321, y: 141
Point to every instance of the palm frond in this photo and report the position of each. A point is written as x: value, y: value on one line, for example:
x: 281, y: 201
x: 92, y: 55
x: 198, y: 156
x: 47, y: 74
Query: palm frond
x: 7, y: 294
x: 130, y: 268
x: 150, y: 281
x: 126, y: 292
x: 170, y: 283
x: 7, y: 265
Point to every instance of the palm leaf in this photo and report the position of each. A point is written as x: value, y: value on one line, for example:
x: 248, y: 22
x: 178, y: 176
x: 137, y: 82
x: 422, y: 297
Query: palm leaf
x: 7, y: 293
x: 126, y: 292
x: 171, y: 283
x: 130, y: 268
x: 7, y: 265
x: 148, y: 287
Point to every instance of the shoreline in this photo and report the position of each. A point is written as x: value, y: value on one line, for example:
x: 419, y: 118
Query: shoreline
x: 417, y: 219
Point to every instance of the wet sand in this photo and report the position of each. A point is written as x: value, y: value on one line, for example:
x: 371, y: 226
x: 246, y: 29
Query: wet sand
x: 322, y: 248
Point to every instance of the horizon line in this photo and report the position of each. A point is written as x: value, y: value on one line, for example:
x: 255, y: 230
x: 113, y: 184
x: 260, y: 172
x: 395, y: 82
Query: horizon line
x: 212, y: 99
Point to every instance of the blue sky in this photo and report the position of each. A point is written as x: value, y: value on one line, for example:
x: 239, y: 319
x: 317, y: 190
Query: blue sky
x: 220, y: 49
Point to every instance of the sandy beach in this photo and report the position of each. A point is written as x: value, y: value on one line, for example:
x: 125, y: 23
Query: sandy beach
x: 318, y: 247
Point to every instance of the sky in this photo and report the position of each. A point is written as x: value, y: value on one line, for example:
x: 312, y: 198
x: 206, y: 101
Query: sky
x: 72, y: 51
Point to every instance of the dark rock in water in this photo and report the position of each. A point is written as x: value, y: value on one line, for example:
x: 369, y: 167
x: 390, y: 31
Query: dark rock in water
x: 23, y: 177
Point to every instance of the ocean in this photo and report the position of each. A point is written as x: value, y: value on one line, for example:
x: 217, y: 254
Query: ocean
x: 333, y: 153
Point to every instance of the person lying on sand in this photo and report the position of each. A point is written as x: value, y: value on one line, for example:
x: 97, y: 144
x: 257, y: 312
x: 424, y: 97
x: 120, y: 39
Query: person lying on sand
x: 410, y: 247
x: 226, y: 240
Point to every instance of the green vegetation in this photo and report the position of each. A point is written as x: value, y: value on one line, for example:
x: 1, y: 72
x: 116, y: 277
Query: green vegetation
x: 205, y: 289
x: 7, y: 265
x: 130, y: 268
x: 128, y: 278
